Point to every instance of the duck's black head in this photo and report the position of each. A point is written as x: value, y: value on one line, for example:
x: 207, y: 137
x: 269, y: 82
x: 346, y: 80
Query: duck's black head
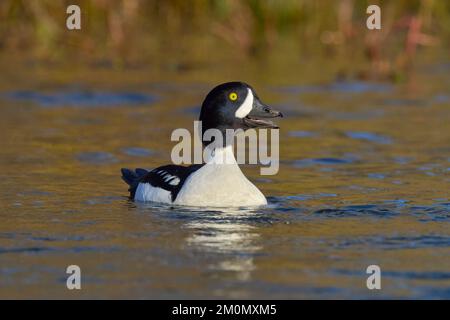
x: 235, y: 105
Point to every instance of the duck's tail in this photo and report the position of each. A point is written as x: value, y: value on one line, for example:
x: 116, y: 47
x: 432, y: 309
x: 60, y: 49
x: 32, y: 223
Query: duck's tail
x: 132, y: 178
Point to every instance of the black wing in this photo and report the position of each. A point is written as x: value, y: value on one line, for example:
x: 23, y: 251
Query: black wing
x: 169, y: 177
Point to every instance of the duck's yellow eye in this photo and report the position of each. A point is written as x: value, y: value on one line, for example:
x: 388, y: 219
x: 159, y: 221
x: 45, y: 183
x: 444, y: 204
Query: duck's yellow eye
x: 233, y: 96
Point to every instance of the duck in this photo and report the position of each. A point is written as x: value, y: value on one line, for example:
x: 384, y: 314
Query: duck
x: 212, y: 183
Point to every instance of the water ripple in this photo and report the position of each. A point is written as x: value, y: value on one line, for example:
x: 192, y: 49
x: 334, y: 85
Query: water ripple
x: 369, y: 136
x: 81, y: 98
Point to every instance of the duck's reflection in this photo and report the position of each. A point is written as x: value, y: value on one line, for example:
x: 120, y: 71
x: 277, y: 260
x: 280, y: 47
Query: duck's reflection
x: 230, y: 235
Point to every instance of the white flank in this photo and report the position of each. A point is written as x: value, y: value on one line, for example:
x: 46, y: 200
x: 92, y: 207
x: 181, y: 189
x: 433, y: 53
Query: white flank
x: 146, y: 192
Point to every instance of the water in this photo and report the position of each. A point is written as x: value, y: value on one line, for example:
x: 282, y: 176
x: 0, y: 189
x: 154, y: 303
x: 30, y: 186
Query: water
x: 364, y: 179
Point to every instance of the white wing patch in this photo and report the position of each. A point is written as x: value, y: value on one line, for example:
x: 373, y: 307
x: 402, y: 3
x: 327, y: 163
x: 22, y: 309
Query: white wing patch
x: 175, y: 181
x: 167, y: 177
x: 246, y: 106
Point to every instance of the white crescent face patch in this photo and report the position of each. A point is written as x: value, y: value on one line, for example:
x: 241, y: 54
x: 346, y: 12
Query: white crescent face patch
x: 246, y: 106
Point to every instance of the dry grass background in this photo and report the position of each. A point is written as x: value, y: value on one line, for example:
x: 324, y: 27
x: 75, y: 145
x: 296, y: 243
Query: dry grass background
x: 177, y: 32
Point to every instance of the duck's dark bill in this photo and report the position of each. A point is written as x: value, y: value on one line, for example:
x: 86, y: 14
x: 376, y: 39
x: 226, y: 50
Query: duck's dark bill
x: 259, y: 123
x: 259, y: 115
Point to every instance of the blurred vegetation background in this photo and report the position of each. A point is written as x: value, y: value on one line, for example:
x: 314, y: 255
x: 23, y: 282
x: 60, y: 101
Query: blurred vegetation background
x: 181, y: 35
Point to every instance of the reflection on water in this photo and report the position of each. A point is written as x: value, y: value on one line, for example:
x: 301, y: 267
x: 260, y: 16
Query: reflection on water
x: 227, y: 232
x: 364, y: 179
x: 230, y: 234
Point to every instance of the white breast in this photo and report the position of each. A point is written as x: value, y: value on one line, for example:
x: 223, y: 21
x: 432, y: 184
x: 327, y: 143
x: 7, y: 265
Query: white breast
x: 220, y: 185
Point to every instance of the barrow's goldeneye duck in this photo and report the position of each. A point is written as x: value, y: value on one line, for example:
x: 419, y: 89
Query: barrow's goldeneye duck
x: 232, y: 105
